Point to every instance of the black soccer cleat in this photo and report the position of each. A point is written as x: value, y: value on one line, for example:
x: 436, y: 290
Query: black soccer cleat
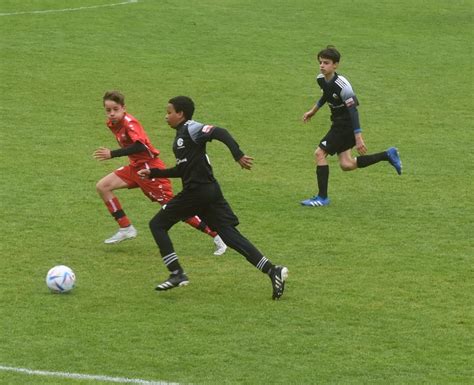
x: 174, y: 280
x: 278, y: 276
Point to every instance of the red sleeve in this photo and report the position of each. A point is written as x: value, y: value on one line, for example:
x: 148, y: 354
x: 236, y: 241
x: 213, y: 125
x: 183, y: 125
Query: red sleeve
x: 136, y: 132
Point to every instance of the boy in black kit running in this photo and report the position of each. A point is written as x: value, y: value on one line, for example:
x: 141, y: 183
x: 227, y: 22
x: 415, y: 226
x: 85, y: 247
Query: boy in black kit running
x: 201, y: 195
x: 345, y: 131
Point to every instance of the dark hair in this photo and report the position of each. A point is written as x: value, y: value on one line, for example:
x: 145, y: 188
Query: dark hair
x: 331, y: 53
x: 115, y: 96
x: 183, y: 104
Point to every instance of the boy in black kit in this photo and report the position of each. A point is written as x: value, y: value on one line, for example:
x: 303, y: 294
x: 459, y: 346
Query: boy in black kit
x: 201, y: 195
x: 345, y: 131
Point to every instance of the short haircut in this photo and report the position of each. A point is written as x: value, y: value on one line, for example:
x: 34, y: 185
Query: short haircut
x: 115, y: 96
x: 331, y: 53
x: 183, y: 104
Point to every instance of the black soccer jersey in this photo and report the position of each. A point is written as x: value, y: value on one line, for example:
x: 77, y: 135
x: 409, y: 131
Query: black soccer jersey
x: 340, y: 97
x: 189, y: 148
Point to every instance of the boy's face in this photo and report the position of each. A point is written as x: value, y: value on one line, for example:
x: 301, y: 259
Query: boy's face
x: 172, y: 117
x: 327, y: 67
x: 114, y: 111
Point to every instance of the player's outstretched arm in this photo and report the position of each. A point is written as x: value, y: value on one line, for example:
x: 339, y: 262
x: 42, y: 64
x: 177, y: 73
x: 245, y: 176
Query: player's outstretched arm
x: 150, y: 173
x: 103, y: 153
x: 222, y: 135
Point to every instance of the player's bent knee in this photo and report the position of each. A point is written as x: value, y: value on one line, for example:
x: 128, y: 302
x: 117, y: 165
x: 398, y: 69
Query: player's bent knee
x: 103, y: 185
x: 155, y: 223
x: 100, y: 187
x: 320, y: 154
x: 158, y: 223
x: 347, y: 166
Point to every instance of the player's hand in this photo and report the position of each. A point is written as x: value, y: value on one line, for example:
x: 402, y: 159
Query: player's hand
x: 246, y: 162
x: 102, y: 153
x: 360, y: 145
x: 144, y: 174
x: 308, y: 115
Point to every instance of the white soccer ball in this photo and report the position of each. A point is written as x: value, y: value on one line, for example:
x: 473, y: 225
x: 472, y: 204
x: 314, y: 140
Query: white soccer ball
x: 60, y: 279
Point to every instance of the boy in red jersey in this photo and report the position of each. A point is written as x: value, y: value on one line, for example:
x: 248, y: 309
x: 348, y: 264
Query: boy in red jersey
x: 135, y: 144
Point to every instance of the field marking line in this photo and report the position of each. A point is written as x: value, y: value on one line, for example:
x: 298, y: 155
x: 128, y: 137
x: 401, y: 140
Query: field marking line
x: 79, y: 376
x: 68, y: 9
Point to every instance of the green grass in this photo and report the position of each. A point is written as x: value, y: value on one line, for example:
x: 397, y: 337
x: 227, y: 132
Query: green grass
x: 380, y: 287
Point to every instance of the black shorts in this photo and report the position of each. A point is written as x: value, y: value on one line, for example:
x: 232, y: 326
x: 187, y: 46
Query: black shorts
x: 339, y: 138
x: 204, y: 200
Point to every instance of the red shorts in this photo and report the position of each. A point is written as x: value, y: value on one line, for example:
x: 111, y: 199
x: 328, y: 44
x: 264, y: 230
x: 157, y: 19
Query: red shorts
x: 157, y: 189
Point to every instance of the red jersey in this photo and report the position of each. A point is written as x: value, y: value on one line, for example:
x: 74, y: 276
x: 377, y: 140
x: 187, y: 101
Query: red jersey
x: 128, y: 131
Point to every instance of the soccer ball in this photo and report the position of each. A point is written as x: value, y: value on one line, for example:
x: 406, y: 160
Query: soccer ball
x: 60, y: 279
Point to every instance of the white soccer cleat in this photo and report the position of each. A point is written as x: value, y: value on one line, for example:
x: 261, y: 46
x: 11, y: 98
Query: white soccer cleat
x: 122, y: 235
x: 221, y: 247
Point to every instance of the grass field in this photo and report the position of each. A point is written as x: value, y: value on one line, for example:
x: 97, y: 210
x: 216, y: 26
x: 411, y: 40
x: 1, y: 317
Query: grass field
x: 381, y: 282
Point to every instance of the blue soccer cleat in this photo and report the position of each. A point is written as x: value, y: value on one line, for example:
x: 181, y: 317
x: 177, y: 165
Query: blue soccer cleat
x: 394, y: 159
x: 316, y: 201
